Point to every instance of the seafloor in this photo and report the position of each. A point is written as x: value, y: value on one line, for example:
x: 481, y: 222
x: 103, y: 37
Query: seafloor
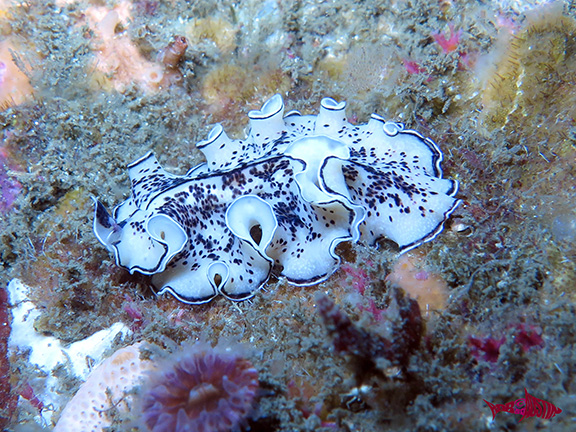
x: 493, y: 83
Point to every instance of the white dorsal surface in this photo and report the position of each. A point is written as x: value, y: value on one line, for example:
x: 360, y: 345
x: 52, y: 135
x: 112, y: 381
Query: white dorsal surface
x: 277, y: 202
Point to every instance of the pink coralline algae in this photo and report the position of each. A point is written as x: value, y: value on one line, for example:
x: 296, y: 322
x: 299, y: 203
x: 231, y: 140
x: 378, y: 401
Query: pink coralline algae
x: 9, y: 186
x: 488, y: 348
x: 448, y: 44
x: 413, y: 67
x: 134, y: 313
x: 27, y: 392
x: 528, y: 336
x: 359, y: 277
x: 202, y: 389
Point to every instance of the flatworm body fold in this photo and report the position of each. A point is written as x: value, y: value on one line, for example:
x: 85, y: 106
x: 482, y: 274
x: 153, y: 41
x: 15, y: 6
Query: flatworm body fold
x: 278, y: 202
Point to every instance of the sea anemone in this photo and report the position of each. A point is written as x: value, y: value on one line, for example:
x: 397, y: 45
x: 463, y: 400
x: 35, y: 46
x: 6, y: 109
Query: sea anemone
x: 201, y: 389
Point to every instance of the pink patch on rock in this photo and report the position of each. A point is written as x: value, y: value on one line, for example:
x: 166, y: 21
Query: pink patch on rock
x: 422, y: 275
x: 27, y: 392
x: 487, y: 348
x: 134, y: 312
x: 412, y: 67
x: 3, y: 70
x: 359, y: 277
x: 376, y: 313
x: 528, y: 336
x: 448, y: 44
x: 9, y: 187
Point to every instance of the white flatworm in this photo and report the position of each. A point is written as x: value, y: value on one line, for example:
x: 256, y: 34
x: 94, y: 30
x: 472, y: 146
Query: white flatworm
x: 279, y: 201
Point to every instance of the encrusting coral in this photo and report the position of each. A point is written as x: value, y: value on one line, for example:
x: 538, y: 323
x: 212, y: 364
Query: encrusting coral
x: 281, y: 200
x: 106, y: 388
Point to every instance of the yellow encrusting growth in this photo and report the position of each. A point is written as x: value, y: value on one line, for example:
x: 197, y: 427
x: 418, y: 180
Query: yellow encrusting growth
x: 531, y: 69
x: 217, y: 30
x: 230, y: 88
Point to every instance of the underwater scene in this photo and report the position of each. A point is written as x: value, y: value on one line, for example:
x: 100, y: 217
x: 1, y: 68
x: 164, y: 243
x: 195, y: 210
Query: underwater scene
x: 297, y: 215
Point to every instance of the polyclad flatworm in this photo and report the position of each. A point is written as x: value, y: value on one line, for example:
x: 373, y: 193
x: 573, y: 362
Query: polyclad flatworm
x: 279, y: 201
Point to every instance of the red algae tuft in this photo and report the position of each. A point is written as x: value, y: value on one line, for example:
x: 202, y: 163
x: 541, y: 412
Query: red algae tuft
x: 200, y: 389
x: 396, y: 339
x: 528, y: 336
x: 487, y: 348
